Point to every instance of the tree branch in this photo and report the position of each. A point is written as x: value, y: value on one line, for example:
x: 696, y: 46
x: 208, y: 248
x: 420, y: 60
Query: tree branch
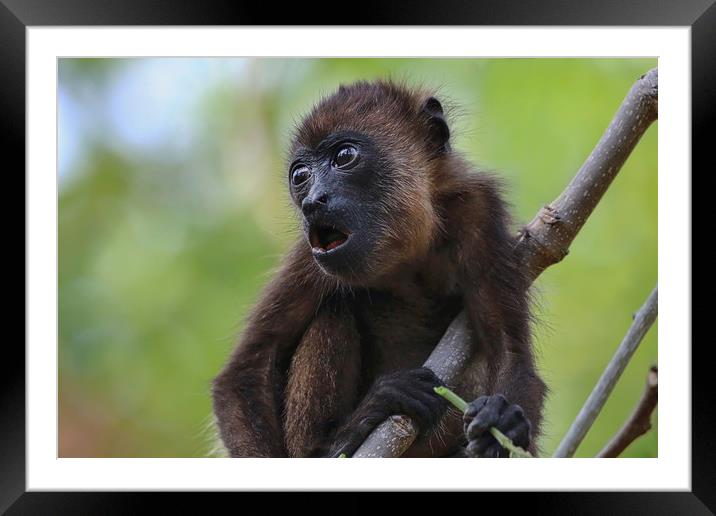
x: 544, y: 241
x: 392, y: 438
x: 643, y: 320
x: 639, y: 422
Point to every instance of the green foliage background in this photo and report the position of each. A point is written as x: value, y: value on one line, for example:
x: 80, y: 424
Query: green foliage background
x: 173, y: 213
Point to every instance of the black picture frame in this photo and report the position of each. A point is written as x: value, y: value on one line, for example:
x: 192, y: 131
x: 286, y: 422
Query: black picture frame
x: 17, y: 15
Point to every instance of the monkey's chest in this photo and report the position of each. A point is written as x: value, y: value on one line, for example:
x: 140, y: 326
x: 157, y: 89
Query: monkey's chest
x: 401, y: 333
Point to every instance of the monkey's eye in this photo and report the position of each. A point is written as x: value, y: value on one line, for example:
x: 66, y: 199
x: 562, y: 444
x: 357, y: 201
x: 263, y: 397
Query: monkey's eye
x: 346, y: 157
x: 299, y: 175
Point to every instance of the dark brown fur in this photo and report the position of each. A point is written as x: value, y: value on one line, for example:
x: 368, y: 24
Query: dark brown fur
x: 314, y: 344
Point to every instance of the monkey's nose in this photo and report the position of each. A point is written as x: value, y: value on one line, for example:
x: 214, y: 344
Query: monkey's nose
x: 312, y: 202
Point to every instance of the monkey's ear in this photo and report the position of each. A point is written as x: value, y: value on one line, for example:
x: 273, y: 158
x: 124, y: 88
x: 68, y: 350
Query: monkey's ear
x: 438, y: 132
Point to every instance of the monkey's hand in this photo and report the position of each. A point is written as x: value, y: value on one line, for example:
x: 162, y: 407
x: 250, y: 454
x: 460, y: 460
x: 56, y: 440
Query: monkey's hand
x: 486, y: 412
x: 407, y: 392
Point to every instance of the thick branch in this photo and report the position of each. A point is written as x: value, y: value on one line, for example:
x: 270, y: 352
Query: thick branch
x: 390, y: 439
x: 643, y: 320
x: 546, y: 239
x: 639, y: 422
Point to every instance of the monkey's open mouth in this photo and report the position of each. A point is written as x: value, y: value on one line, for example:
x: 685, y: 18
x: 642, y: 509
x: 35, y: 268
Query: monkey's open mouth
x: 326, y: 238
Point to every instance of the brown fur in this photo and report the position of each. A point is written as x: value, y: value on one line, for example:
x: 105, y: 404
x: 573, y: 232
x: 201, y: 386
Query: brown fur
x: 314, y: 344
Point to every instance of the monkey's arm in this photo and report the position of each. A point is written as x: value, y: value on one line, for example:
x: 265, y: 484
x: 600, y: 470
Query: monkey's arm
x: 515, y: 393
x: 408, y: 392
x: 496, y: 302
x: 323, y: 381
x: 248, y: 392
x: 324, y: 414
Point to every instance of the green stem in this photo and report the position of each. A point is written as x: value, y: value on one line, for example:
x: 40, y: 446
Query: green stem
x: 453, y: 398
x: 505, y: 442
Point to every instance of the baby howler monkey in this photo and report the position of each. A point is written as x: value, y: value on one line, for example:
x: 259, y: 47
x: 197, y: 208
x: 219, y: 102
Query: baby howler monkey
x: 400, y: 233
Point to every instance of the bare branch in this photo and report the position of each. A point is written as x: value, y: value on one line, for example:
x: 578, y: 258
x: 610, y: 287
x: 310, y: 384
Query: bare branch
x: 391, y: 439
x: 639, y: 422
x: 546, y: 239
x: 643, y: 320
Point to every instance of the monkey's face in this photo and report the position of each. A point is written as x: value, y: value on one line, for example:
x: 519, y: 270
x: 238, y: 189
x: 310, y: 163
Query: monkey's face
x: 362, y: 173
x: 341, y: 188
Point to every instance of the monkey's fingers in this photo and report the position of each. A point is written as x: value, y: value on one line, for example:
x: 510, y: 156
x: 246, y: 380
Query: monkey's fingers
x: 494, y: 411
x: 487, y: 415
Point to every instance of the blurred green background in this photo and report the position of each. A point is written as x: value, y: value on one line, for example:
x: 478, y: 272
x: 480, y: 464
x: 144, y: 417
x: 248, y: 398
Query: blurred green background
x: 173, y: 212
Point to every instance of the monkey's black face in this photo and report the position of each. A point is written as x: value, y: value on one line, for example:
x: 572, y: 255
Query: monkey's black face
x: 336, y: 186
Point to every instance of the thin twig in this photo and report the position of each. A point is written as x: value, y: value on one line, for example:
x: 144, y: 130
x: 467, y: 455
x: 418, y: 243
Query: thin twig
x: 639, y: 421
x: 643, y: 320
x: 544, y: 241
